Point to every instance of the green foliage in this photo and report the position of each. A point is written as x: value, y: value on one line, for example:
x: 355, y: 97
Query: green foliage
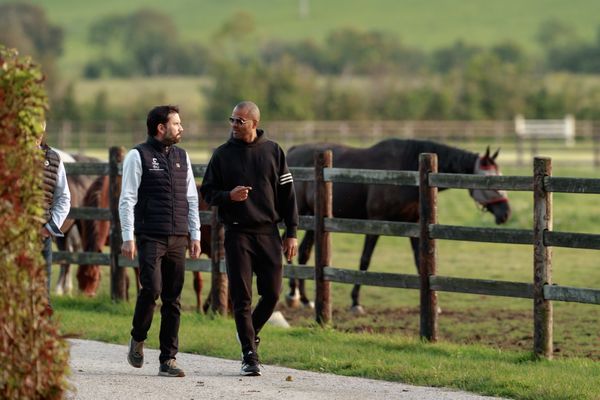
x: 283, y: 91
x: 145, y: 43
x: 33, y: 357
x: 26, y: 27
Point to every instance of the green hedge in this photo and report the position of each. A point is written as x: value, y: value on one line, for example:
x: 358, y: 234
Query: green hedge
x: 33, y: 358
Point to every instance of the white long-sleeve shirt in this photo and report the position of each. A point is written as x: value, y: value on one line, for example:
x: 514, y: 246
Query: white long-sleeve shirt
x: 61, y: 203
x: 130, y: 183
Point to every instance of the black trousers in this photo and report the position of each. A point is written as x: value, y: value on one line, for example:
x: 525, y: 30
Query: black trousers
x: 162, y: 270
x: 246, y: 253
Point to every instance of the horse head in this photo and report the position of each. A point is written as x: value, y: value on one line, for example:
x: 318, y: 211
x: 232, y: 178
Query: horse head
x: 494, y: 201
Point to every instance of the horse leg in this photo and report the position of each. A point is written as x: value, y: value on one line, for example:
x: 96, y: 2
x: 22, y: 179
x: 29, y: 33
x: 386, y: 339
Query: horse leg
x: 297, y: 291
x: 365, y: 260
x: 62, y: 277
x: 61, y: 245
x: 414, y: 243
x: 198, y: 290
x: 74, y: 245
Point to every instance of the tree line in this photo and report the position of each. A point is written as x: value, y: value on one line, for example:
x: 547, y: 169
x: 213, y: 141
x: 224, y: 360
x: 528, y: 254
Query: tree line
x: 353, y: 74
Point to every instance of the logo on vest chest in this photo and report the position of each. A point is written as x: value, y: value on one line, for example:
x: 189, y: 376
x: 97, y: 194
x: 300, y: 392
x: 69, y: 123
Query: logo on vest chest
x: 155, y: 165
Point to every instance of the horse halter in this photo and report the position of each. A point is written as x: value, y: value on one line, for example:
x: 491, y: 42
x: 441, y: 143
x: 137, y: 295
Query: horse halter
x: 486, y: 197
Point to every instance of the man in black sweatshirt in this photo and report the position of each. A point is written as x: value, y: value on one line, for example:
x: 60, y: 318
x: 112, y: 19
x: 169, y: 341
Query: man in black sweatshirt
x: 248, y: 179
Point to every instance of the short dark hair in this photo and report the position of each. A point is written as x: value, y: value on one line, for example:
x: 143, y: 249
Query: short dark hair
x: 159, y: 115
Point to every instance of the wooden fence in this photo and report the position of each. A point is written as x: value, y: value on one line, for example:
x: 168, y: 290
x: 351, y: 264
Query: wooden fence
x: 542, y: 291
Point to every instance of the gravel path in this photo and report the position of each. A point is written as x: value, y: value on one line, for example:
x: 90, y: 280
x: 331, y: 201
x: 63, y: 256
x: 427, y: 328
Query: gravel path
x: 100, y: 371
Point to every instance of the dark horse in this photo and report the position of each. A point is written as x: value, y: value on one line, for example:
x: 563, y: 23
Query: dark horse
x: 95, y: 236
x: 385, y: 202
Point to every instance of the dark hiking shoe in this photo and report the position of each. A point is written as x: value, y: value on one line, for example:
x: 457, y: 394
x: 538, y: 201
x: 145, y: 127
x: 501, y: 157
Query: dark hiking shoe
x: 250, y: 365
x: 169, y: 368
x: 135, y: 357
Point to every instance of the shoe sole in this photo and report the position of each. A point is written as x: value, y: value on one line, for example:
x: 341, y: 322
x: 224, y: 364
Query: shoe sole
x: 166, y: 374
x: 133, y: 364
x: 251, y: 373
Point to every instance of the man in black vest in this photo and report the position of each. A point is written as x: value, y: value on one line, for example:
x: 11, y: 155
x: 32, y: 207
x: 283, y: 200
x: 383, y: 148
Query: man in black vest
x: 57, y: 201
x: 248, y: 179
x: 159, y: 203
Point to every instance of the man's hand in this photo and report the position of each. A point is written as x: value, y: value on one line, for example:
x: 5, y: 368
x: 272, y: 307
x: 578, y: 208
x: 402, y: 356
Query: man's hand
x: 290, y: 248
x: 128, y: 249
x: 239, y: 193
x: 195, y: 248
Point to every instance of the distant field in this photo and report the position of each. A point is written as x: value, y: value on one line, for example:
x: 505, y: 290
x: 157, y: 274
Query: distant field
x: 427, y: 25
x: 187, y: 92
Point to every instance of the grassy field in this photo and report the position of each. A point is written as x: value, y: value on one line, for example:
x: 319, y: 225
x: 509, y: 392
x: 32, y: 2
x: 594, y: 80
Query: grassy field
x: 394, y: 358
x: 486, y: 341
x: 427, y: 25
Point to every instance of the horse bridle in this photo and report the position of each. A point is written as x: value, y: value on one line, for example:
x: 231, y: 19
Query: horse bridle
x: 486, y: 197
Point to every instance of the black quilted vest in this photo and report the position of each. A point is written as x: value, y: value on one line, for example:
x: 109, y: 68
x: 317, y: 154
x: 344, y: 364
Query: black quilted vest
x: 162, y: 206
x: 51, y: 162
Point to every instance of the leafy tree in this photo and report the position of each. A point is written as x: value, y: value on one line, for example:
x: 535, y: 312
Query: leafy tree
x: 456, y: 56
x: 352, y: 50
x: 146, y: 43
x: 26, y: 27
x: 489, y: 89
x: 283, y: 91
x: 335, y: 102
x: 554, y: 34
x: 509, y: 52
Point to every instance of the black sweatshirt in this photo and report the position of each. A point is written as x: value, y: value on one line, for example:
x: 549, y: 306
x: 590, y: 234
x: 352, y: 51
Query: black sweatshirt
x: 262, y: 166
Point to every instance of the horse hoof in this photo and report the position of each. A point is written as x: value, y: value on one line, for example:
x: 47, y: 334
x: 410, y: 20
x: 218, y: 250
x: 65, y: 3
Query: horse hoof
x: 357, y: 310
x: 59, y: 291
x: 292, y: 301
x: 438, y: 310
x: 308, y: 304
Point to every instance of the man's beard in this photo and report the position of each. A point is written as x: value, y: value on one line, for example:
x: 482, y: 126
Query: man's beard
x: 171, y: 140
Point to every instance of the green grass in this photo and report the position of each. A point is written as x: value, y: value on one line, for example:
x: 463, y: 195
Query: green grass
x: 487, y: 340
x: 426, y: 25
x: 394, y: 358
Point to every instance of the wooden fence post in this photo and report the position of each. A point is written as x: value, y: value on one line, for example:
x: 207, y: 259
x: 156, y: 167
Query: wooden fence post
x: 218, y: 279
x: 542, y: 259
x: 118, y: 285
x: 427, y: 248
x: 323, y: 209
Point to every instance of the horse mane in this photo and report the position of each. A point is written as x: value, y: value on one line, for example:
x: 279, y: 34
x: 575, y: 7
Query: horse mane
x: 450, y: 158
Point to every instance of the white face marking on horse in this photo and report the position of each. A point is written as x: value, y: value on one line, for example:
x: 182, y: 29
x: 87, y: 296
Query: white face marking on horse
x: 487, y: 166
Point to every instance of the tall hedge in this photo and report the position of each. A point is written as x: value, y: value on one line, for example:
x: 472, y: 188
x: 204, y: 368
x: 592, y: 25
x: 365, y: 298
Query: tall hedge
x: 33, y: 357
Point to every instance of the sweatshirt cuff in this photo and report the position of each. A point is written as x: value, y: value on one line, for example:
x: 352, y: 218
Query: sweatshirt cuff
x: 291, y: 231
x: 225, y: 197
